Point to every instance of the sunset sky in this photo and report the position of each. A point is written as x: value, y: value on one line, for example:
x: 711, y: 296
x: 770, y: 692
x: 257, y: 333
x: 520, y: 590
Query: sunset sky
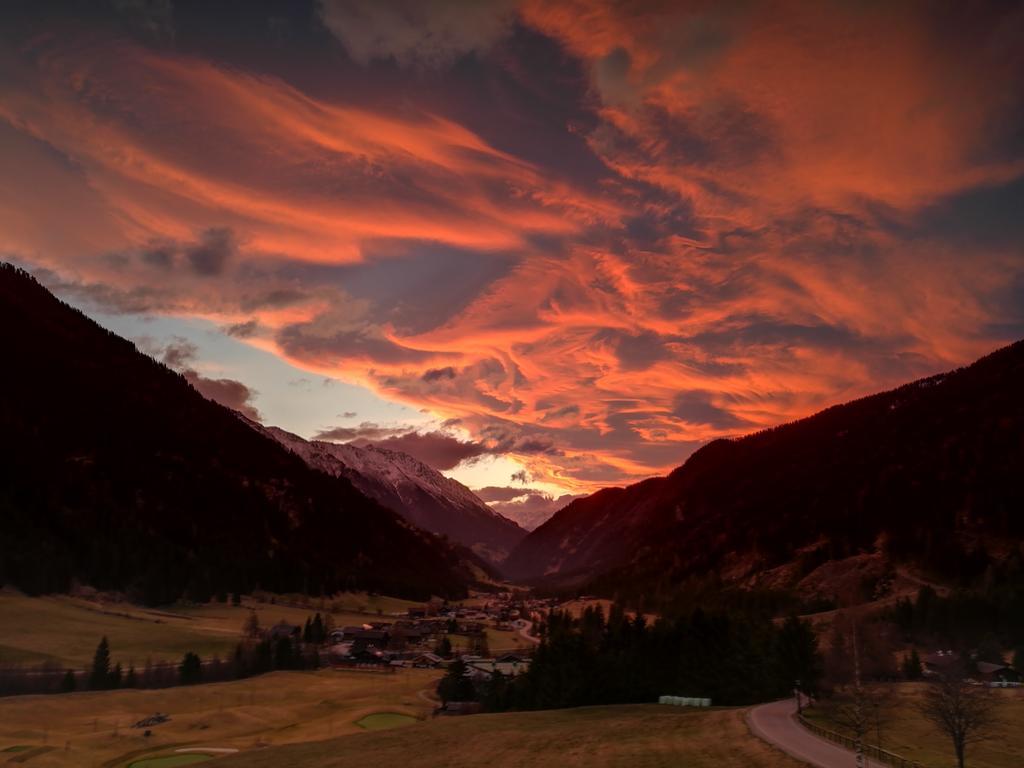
x: 541, y: 245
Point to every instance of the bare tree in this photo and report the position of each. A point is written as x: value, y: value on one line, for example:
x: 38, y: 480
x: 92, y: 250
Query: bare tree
x: 962, y: 711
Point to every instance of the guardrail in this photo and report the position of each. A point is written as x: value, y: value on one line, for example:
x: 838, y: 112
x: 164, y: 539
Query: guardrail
x: 871, y: 752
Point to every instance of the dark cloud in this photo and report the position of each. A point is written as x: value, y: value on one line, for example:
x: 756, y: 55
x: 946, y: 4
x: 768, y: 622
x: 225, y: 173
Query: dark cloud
x: 695, y: 407
x: 522, y: 476
x: 348, y: 415
x: 210, y: 255
x: 244, y: 330
x: 306, y: 341
x: 413, y: 33
x: 273, y: 299
x: 180, y: 354
x: 637, y: 351
x: 367, y: 431
x: 437, y: 374
x: 436, y: 449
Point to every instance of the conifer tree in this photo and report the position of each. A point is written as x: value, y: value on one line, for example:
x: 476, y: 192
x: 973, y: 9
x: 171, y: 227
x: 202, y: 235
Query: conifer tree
x: 99, y: 678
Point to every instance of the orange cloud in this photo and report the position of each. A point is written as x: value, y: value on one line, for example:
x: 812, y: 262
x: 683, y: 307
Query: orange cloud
x: 760, y: 227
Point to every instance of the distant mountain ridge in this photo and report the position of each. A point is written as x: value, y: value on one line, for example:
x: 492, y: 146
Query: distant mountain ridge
x: 929, y: 473
x: 418, y: 492
x: 116, y: 472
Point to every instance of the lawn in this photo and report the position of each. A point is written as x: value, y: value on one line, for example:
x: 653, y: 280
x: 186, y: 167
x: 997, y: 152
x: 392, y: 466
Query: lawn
x: 66, y: 630
x: 646, y: 736
x: 909, y: 735
x: 94, y: 728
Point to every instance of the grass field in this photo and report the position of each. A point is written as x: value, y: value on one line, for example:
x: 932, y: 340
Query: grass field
x: 94, y: 729
x: 67, y: 629
x: 647, y: 736
x: 909, y: 735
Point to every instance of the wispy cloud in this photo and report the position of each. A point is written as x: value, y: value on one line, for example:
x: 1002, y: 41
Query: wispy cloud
x: 597, y: 234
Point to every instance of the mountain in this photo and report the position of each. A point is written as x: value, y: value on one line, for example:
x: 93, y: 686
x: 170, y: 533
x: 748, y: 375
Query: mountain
x: 928, y: 474
x: 419, y: 493
x: 117, y: 473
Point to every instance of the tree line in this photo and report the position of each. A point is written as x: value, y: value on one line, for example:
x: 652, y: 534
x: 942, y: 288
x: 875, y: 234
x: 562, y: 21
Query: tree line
x: 593, y: 659
x: 257, y: 653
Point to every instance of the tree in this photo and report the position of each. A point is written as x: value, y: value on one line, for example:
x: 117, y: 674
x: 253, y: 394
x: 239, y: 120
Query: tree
x: 68, y: 683
x: 251, y: 627
x: 131, y: 680
x: 455, y: 686
x: 236, y: 599
x: 99, y: 677
x: 798, y: 654
x: 115, y: 677
x: 191, y: 670
x: 443, y: 647
x: 1018, y: 659
x: 965, y: 713
x: 912, y: 666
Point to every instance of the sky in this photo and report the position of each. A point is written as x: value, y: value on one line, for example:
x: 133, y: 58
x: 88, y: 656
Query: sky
x: 543, y: 246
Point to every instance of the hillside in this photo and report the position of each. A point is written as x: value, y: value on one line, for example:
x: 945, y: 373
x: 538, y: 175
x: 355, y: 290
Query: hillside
x: 118, y: 474
x: 928, y: 473
x: 417, y: 492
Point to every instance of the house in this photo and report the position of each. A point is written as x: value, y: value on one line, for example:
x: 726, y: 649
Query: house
x: 284, y: 630
x: 997, y: 673
x: 368, y: 656
x: 509, y: 665
x: 427, y: 661
x: 370, y: 638
x: 939, y: 662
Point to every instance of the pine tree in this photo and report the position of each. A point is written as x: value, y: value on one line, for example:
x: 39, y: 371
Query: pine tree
x: 99, y: 678
x: 317, y: 629
x: 191, y: 670
x: 68, y: 683
x: 251, y: 627
x: 115, y: 676
x: 912, y: 666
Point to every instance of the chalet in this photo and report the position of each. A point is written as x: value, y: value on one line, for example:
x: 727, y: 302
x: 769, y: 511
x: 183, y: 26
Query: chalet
x: 997, y: 673
x: 368, y: 656
x: 939, y: 662
x: 370, y: 638
x: 427, y: 661
x: 284, y: 630
x: 509, y: 665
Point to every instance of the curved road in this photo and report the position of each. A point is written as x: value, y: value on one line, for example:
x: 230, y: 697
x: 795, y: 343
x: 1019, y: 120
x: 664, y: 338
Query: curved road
x: 524, y: 631
x: 775, y: 724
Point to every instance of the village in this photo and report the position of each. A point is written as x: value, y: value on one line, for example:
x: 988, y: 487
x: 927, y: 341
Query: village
x: 433, y: 636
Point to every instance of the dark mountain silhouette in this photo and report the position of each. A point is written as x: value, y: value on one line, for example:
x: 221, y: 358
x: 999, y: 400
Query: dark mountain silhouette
x: 417, y: 492
x: 930, y: 474
x: 118, y: 474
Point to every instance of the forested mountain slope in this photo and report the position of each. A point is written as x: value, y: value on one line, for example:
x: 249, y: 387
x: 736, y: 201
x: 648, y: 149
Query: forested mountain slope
x: 931, y: 473
x: 115, y: 472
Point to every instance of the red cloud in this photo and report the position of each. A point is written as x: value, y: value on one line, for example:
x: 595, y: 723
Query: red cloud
x: 754, y: 237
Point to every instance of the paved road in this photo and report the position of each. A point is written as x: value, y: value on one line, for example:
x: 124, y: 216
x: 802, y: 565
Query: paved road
x: 775, y: 724
x: 524, y: 631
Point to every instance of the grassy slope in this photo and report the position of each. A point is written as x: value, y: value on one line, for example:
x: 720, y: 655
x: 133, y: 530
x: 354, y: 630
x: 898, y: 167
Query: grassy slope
x: 646, y: 736
x: 66, y: 630
x: 908, y: 734
x: 280, y: 708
